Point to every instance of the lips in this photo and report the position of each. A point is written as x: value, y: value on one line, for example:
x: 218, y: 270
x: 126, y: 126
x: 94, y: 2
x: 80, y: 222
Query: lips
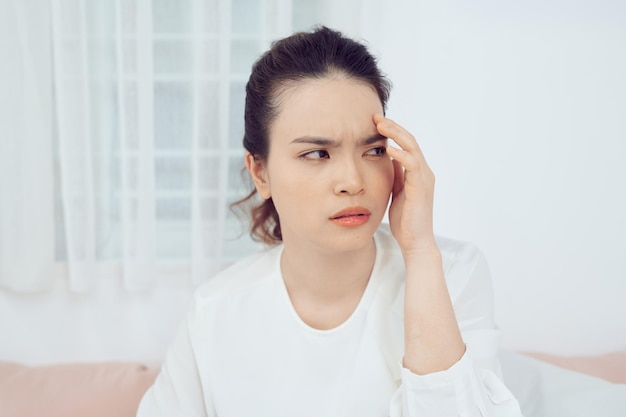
x: 351, y: 211
x: 351, y: 216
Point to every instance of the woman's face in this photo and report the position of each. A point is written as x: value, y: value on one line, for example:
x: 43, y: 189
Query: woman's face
x: 327, y: 171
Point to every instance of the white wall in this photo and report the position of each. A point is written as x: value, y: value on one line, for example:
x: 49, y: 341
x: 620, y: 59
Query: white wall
x: 520, y: 108
x: 107, y: 324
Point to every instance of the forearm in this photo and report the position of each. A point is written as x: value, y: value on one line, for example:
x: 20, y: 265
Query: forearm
x: 432, y: 340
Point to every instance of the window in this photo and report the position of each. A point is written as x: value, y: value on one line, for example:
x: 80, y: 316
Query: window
x: 149, y: 99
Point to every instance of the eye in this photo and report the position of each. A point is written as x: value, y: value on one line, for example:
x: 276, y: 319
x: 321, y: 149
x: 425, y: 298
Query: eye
x: 379, y: 151
x: 315, y: 155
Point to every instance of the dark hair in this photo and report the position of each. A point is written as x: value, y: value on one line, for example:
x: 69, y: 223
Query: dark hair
x: 301, y: 56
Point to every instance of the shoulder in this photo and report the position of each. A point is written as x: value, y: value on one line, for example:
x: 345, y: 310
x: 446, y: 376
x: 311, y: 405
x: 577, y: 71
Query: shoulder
x: 463, y: 262
x: 458, y: 254
x: 244, y: 276
x: 465, y: 268
x: 455, y: 253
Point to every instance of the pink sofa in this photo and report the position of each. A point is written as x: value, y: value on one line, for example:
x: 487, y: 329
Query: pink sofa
x: 115, y: 389
x: 73, y: 390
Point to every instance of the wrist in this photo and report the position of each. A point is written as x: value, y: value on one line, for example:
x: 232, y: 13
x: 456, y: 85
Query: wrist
x: 422, y: 252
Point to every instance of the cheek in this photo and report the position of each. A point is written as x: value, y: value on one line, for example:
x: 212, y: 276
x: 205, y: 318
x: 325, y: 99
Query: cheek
x: 380, y: 179
x: 289, y: 188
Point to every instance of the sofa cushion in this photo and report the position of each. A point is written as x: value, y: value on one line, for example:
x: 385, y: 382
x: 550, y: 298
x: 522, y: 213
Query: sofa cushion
x: 609, y: 366
x: 73, y: 390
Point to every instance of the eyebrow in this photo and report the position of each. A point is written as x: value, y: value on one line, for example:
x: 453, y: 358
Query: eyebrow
x: 320, y: 141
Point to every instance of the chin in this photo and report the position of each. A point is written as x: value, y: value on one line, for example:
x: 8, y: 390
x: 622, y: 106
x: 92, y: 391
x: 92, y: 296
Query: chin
x: 352, y: 239
x: 332, y: 238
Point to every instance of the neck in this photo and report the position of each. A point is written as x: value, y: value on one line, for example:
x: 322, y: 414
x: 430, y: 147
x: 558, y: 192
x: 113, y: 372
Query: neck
x: 326, y: 276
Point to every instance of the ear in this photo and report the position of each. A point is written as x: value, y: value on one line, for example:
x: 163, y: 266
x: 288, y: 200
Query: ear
x: 257, y: 170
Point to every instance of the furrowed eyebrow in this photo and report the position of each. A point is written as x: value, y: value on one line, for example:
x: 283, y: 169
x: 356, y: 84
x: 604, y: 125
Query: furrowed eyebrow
x: 316, y: 141
x: 319, y: 141
x: 373, y: 139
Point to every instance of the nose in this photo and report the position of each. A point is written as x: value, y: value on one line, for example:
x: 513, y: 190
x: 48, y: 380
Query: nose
x: 349, y: 180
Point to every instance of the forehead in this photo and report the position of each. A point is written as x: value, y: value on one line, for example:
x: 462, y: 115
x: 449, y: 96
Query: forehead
x: 334, y: 107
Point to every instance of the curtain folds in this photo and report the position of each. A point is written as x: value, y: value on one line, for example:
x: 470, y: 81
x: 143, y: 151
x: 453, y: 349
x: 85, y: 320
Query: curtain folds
x: 123, y: 138
x: 26, y: 186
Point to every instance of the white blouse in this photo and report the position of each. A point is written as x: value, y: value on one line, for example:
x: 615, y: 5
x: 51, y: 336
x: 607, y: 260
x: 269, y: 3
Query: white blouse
x: 244, y: 351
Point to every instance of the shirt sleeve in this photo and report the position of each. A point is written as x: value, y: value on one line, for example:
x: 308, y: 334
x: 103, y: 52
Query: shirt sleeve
x: 177, y: 390
x: 472, y: 386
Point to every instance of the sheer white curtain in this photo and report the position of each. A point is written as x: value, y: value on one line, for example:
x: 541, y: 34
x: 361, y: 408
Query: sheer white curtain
x: 121, y: 144
x: 26, y: 212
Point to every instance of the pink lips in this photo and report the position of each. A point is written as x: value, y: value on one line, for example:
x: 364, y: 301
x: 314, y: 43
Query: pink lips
x: 351, y: 217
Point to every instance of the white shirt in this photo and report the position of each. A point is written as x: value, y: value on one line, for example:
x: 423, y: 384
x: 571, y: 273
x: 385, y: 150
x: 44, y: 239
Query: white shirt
x: 244, y: 351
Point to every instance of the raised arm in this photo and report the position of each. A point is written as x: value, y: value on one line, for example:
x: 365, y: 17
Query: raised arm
x: 439, y: 377
x: 432, y: 338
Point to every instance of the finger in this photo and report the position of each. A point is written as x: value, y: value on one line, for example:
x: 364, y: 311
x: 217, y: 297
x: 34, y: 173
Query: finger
x: 398, y: 179
x: 389, y: 125
x: 406, y: 159
x: 399, y: 134
x: 412, y: 165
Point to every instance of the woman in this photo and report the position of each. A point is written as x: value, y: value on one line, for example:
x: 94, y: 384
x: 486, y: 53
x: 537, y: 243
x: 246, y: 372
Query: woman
x: 341, y: 316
